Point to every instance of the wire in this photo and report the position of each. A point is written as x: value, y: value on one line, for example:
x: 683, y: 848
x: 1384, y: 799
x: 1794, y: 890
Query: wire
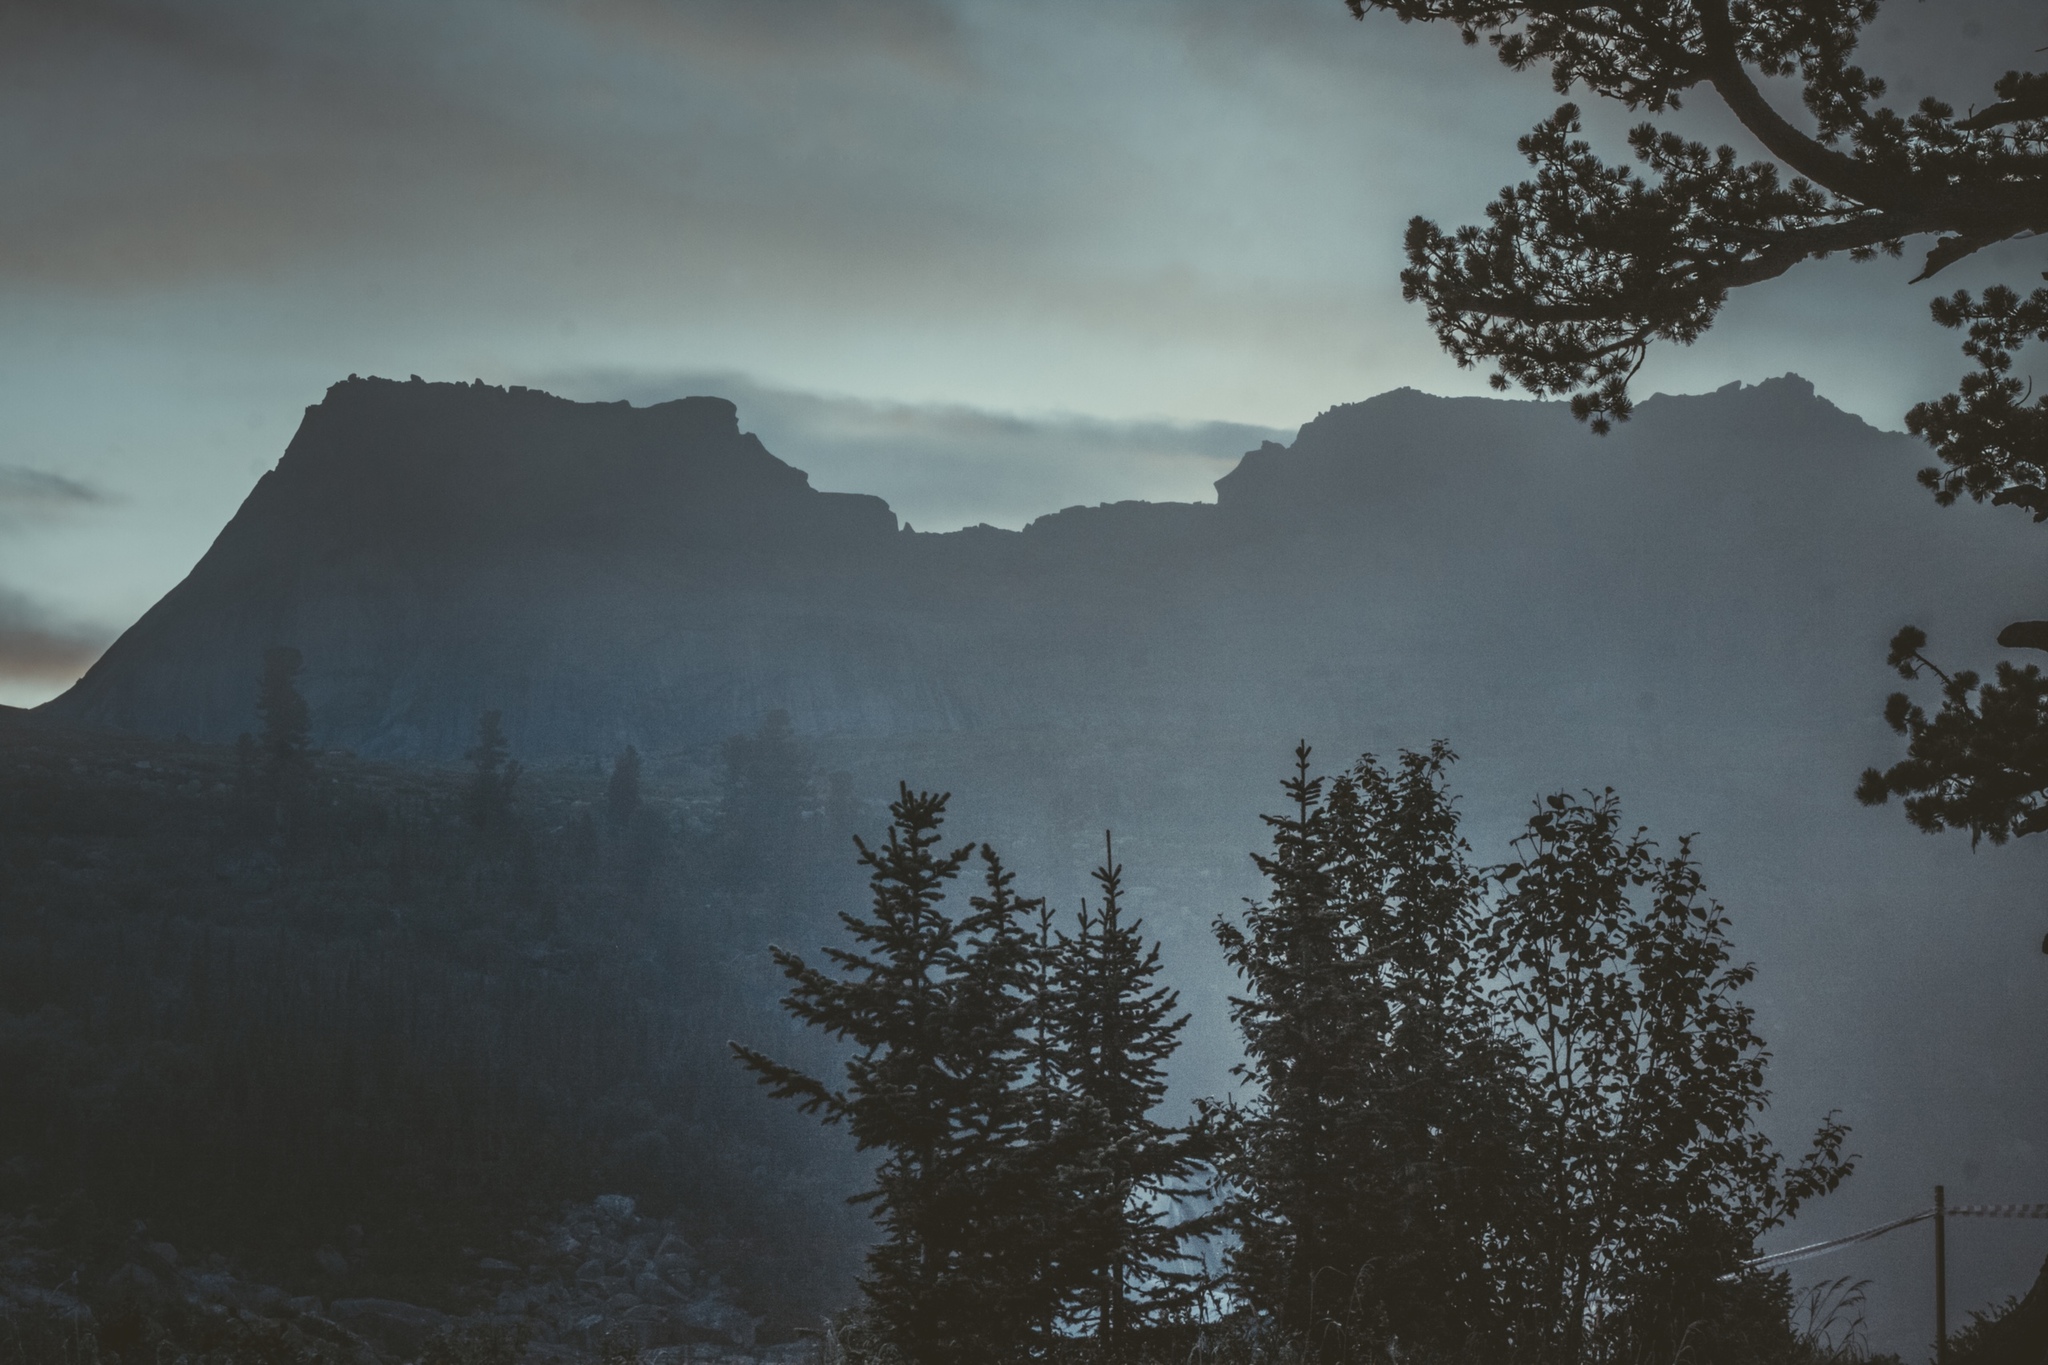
x: 1778, y: 1258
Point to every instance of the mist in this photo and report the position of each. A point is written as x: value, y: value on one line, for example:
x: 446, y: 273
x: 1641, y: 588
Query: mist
x: 496, y: 500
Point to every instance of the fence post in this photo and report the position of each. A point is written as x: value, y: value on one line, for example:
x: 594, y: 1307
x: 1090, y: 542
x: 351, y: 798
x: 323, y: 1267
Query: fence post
x: 1940, y: 1278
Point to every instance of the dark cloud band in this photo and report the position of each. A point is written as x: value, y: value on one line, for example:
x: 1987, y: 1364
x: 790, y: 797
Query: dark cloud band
x: 22, y: 488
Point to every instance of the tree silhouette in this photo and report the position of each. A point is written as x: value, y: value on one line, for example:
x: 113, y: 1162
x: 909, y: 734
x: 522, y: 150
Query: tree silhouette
x: 287, y: 725
x: 1309, y: 1017
x: 1651, y: 1178
x: 1443, y: 1173
x: 1009, y: 1073
x: 937, y: 1011
x: 494, y: 776
x: 1371, y: 1176
x: 1581, y: 269
x: 1517, y: 1126
x: 1980, y: 762
x: 622, y: 793
x: 1117, y: 1028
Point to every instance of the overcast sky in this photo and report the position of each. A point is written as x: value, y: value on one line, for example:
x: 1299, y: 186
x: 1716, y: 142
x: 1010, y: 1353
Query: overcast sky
x: 985, y: 259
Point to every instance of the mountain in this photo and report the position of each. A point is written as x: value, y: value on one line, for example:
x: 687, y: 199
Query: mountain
x: 1693, y: 610
x: 435, y: 549
x: 607, y: 575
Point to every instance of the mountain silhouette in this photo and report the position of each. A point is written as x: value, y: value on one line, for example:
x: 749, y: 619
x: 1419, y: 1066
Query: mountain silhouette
x: 606, y: 575
x: 1693, y: 610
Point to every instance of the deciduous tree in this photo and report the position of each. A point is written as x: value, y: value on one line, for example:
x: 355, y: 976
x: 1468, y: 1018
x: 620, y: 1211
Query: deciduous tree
x: 1652, y: 1178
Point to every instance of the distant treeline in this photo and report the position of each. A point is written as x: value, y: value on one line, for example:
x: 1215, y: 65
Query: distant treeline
x: 356, y: 1025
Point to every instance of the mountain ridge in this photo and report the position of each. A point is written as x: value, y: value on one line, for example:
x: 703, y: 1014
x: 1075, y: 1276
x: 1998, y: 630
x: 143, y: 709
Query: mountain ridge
x: 1692, y: 611
x: 607, y: 574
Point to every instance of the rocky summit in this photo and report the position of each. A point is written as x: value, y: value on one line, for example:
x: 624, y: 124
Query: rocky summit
x: 434, y: 549
x: 604, y: 574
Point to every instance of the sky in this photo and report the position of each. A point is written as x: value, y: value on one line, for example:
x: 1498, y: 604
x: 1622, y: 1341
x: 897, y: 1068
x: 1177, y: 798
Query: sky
x: 984, y: 259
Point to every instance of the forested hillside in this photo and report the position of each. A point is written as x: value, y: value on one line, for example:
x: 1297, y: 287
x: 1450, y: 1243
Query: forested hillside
x: 365, y: 1035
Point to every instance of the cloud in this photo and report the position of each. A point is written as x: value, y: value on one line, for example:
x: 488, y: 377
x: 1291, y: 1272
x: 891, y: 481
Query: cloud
x: 34, y: 647
x: 25, y: 488
x: 36, y: 497
x: 919, y: 32
x: 943, y: 466
x: 228, y: 139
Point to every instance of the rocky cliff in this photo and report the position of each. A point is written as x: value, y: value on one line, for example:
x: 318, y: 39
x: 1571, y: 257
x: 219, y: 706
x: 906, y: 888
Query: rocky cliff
x: 435, y: 549
x: 606, y: 575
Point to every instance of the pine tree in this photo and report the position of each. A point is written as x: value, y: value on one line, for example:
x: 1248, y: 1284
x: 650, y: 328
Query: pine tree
x: 1117, y: 1029
x: 287, y: 725
x: 490, y: 787
x: 1370, y: 1174
x: 1015, y: 1169
x: 622, y: 793
x: 1310, y: 1017
x: 1052, y: 1146
x: 1579, y: 271
x: 938, y: 1012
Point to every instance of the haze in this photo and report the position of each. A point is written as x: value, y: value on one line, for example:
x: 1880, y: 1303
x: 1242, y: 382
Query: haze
x: 988, y: 261
x: 1011, y: 229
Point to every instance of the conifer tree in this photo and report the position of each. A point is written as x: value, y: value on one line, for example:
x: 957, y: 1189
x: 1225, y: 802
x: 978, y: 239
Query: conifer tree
x: 938, y: 1012
x: 1310, y: 1019
x: 1016, y: 1179
x: 1046, y: 1075
x: 1370, y: 1174
x: 1053, y: 1143
x: 1581, y: 269
x: 1117, y: 1029
x: 490, y: 788
x: 287, y: 725
x: 622, y: 793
